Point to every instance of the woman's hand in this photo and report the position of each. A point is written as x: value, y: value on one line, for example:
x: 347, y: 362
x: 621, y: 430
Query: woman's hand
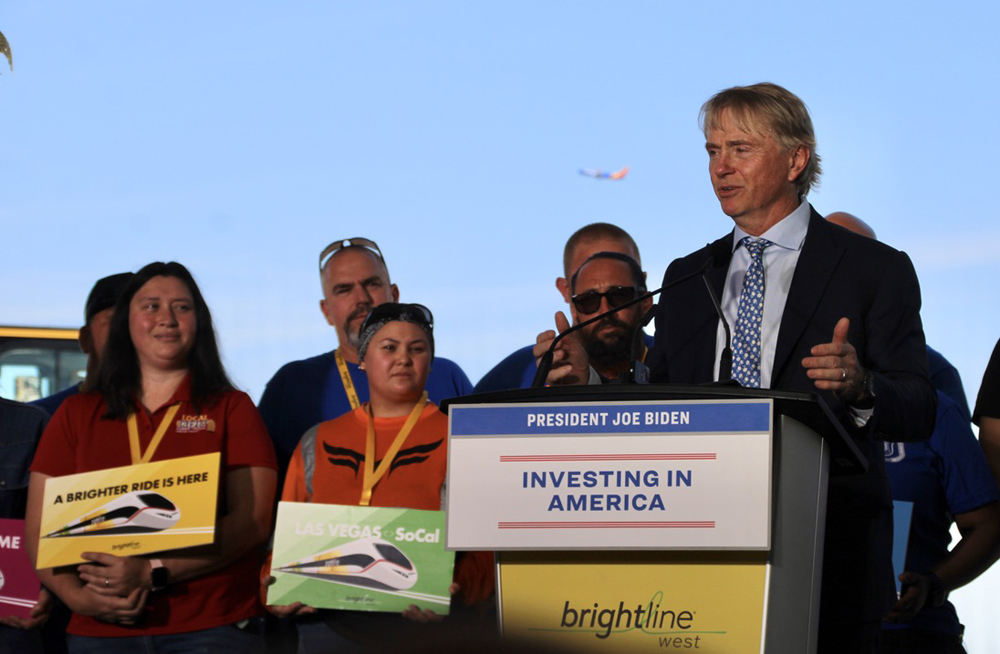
x: 287, y: 610
x: 107, y: 608
x: 116, y: 576
x: 39, y: 615
x: 424, y: 616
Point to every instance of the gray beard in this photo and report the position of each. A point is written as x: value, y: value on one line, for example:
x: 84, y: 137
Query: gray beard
x: 354, y: 337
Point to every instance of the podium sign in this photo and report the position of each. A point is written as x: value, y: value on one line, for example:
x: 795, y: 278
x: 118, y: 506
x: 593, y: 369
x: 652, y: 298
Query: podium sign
x: 635, y: 601
x: 664, y: 475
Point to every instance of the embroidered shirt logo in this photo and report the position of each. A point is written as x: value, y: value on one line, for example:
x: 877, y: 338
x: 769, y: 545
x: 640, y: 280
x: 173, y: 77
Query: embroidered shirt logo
x: 191, y: 423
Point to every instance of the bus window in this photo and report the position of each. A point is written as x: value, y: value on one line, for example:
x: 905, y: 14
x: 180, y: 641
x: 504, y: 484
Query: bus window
x: 37, y: 362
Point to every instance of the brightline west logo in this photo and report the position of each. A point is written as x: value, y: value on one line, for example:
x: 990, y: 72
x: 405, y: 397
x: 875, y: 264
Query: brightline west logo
x: 676, y: 627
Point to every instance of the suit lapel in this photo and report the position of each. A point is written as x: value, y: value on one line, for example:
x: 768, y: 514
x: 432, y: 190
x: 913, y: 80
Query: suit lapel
x: 817, y: 261
x: 721, y: 252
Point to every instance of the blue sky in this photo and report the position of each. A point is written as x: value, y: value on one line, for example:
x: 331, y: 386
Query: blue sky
x: 241, y: 138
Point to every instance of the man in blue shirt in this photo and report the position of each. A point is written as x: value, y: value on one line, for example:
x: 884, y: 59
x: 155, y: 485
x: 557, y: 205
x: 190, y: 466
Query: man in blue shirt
x: 602, y: 342
x: 947, y: 479
x: 354, y: 278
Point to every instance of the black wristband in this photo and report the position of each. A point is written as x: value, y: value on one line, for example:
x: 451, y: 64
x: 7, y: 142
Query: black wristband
x: 936, y: 593
x: 159, y: 576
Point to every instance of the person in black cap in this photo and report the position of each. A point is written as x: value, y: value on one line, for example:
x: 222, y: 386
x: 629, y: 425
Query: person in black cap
x: 93, y: 334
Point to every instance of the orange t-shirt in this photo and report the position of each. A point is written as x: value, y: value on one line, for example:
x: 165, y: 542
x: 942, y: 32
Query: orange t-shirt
x: 414, y: 479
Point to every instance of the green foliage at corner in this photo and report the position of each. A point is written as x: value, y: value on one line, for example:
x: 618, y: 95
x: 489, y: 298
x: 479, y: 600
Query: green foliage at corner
x: 5, y: 50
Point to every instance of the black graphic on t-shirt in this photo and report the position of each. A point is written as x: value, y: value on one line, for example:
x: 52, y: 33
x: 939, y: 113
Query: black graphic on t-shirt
x: 342, y: 456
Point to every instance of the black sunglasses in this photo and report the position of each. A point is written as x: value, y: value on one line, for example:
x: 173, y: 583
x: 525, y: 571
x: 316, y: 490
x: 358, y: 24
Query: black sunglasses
x: 590, y: 301
x: 393, y: 311
x: 356, y: 242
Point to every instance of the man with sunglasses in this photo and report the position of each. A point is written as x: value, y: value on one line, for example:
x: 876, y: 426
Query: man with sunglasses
x: 607, y: 351
x: 607, y: 280
x: 354, y: 279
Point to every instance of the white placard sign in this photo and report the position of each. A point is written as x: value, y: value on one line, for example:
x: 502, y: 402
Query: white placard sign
x: 663, y: 475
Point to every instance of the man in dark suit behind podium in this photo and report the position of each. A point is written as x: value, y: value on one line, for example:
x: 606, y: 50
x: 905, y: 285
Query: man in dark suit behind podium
x: 834, y: 312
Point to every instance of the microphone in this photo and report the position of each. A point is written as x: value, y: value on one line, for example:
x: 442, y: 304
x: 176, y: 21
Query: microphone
x: 545, y: 364
x: 640, y: 371
x: 726, y: 358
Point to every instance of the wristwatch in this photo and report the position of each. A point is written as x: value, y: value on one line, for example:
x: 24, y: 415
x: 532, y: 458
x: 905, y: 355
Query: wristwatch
x: 867, y: 400
x: 158, y: 574
x: 936, y: 594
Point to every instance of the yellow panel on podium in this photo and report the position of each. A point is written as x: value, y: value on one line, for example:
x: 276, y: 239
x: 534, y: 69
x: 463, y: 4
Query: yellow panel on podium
x: 635, y: 601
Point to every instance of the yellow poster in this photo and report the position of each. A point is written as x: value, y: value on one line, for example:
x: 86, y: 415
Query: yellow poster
x: 138, y: 509
x: 635, y: 601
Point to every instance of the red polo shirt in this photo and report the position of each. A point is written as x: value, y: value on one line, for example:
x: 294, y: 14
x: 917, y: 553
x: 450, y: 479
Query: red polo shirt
x: 79, y: 439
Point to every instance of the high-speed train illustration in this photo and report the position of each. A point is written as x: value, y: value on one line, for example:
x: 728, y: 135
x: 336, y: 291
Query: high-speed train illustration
x: 367, y: 562
x: 133, y: 513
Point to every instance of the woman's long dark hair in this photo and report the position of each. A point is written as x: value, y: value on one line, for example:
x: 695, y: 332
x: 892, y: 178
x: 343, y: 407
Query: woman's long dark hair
x: 119, y: 377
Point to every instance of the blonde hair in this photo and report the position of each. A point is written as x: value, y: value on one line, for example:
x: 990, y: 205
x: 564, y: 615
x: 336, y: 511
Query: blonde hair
x: 772, y: 108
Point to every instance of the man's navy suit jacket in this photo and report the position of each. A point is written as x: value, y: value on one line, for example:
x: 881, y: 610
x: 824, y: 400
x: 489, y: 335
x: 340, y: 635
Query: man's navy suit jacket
x: 838, y: 274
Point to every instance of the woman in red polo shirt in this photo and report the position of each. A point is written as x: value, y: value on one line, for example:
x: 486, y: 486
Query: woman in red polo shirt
x: 162, y: 393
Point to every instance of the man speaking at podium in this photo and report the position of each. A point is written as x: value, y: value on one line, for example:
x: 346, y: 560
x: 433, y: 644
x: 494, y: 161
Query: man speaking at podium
x: 813, y: 307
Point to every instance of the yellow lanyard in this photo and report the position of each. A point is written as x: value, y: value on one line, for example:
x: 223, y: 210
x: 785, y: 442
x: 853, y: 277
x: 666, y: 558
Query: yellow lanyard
x: 133, y: 435
x: 345, y: 378
x: 372, y: 476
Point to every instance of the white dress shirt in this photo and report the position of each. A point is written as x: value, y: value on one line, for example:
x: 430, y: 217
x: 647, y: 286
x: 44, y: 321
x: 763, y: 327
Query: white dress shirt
x: 779, y: 261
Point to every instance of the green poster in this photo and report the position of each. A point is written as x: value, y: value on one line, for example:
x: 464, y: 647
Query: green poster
x: 360, y: 558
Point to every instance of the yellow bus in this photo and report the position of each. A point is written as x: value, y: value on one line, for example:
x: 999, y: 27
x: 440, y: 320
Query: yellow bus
x: 36, y: 362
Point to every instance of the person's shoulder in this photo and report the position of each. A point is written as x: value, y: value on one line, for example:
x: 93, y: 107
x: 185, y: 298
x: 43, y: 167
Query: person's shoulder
x: 517, y: 359
x: 312, y: 365
x: 440, y: 363
x: 433, y: 411
x: 509, y: 372
x: 862, y: 245
x: 19, y: 412
x: 236, y: 397
x: 950, y: 426
x: 356, y: 416
x: 83, y: 401
x: 718, y: 251
x: 446, y: 369
x: 54, y: 401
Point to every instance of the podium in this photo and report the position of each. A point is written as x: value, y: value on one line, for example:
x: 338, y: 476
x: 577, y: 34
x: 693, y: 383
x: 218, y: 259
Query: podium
x: 648, y: 518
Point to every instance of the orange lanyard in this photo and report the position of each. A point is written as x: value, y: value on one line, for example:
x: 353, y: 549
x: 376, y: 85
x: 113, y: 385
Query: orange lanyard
x: 345, y: 379
x: 133, y: 435
x: 372, y: 476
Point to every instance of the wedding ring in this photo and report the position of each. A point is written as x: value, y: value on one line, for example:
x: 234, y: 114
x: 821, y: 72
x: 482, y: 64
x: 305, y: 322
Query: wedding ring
x: 843, y: 374
x: 107, y: 582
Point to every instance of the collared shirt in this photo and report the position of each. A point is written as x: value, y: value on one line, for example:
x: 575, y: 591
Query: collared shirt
x: 779, y: 261
x: 79, y: 439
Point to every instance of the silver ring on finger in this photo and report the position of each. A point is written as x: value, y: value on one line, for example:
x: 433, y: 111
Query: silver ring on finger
x: 107, y: 582
x: 843, y: 375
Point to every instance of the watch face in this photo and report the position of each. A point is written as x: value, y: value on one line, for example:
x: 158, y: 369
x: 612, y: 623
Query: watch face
x: 159, y: 577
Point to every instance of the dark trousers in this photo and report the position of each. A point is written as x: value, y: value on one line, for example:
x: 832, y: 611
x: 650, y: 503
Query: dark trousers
x: 854, y: 637
x: 919, y: 641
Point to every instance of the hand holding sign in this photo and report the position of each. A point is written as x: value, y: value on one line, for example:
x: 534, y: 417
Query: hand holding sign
x: 116, y: 576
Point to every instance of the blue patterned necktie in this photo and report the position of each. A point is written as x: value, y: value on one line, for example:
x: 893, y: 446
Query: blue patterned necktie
x: 746, y: 342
